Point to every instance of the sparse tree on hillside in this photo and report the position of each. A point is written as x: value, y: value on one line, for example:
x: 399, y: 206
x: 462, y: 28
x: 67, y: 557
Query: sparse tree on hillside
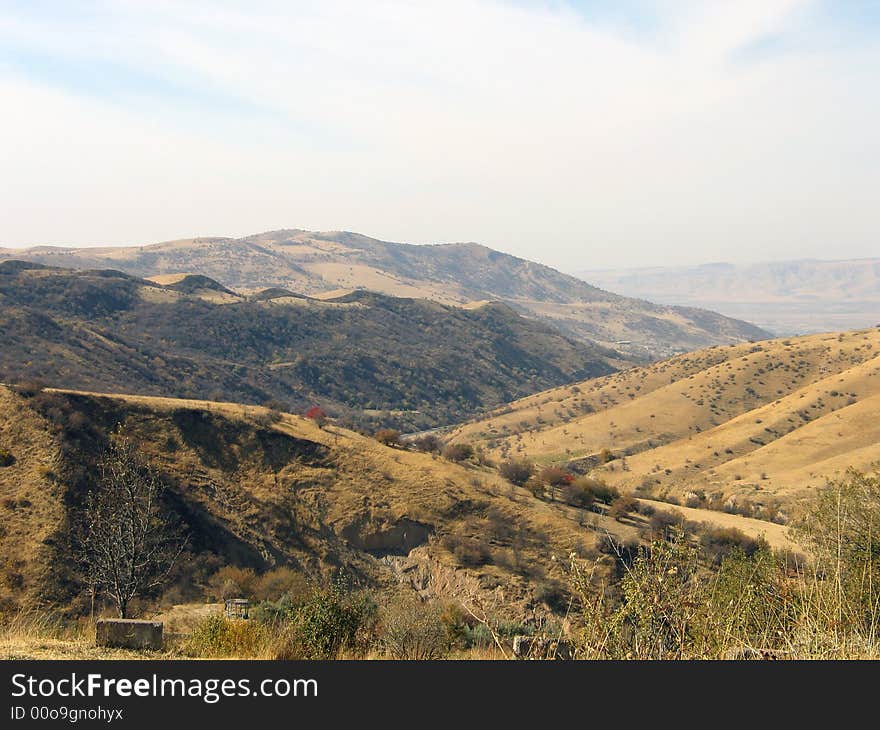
x: 517, y: 471
x: 317, y: 414
x: 458, y: 452
x: 387, y: 436
x: 128, y: 546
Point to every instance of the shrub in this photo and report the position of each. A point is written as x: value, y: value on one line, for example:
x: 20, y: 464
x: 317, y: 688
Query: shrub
x: 719, y: 542
x: 231, y: 581
x: 605, y: 456
x: 468, y: 551
x: 575, y: 495
x: 387, y: 436
x: 517, y: 471
x: 457, y: 624
x: 554, y: 595
x: 414, y: 631
x: 458, y: 452
x: 317, y: 414
x: 283, y: 581
x: 29, y: 388
x: 555, y: 477
x: 6, y: 458
x: 599, y: 490
x: 623, y: 507
x: 663, y: 524
x: 428, y: 443
x: 332, y: 620
x: 218, y: 636
x: 535, y: 486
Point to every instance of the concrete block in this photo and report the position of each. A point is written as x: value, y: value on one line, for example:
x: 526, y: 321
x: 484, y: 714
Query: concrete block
x: 124, y: 633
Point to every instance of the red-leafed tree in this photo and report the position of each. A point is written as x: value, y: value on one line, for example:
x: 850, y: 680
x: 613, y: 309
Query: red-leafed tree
x: 317, y: 414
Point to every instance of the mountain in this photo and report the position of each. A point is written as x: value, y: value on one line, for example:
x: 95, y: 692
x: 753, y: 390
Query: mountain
x: 763, y: 422
x: 327, y: 264
x: 366, y: 357
x: 785, y: 297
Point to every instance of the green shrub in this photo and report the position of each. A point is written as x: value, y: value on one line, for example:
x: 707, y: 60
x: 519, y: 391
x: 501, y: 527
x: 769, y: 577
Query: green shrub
x: 330, y: 621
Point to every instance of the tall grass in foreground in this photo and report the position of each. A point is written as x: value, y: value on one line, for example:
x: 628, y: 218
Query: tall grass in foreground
x: 29, y: 628
x: 669, y: 604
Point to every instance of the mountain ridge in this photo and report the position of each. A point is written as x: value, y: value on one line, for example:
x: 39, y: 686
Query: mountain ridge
x: 419, y: 362
x: 315, y: 263
x: 798, y: 296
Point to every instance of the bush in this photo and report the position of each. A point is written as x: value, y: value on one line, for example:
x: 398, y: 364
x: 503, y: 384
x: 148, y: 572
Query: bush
x: 322, y: 624
x: 29, y: 388
x: 719, y: 542
x: 218, y: 636
x: 597, y: 489
x: 387, y: 436
x: 231, y: 581
x: 623, y: 507
x: 605, y: 456
x: 517, y: 471
x: 414, y: 631
x: 577, y: 496
x: 279, y: 582
x: 458, y: 452
x: 554, y: 595
x: 468, y: 551
x: 663, y: 524
x: 6, y: 458
x: 555, y: 477
x: 428, y: 443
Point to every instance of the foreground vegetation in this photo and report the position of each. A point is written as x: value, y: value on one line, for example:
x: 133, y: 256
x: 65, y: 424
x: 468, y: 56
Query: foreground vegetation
x: 679, y: 597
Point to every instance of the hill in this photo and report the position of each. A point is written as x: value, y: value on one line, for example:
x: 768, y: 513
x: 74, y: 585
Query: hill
x: 765, y: 422
x: 785, y: 297
x: 260, y: 489
x: 333, y: 262
x: 362, y: 356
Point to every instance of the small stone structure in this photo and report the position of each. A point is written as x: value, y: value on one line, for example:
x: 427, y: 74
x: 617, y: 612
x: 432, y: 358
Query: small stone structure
x: 125, y: 633
x: 237, y: 607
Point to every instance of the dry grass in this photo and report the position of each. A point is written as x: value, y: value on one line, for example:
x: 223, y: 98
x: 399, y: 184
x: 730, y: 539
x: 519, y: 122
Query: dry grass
x: 354, y: 498
x: 773, y: 418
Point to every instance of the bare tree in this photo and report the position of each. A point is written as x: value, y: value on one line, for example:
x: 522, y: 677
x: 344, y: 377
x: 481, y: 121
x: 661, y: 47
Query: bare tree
x: 127, y: 546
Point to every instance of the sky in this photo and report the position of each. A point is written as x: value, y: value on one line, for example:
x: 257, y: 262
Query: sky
x: 583, y: 134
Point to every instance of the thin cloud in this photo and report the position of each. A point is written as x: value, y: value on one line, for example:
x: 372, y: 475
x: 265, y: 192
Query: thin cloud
x: 573, y: 135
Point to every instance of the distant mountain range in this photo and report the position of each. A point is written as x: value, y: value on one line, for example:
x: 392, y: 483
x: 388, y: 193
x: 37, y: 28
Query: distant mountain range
x: 335, y: 263
x: 785, y: 297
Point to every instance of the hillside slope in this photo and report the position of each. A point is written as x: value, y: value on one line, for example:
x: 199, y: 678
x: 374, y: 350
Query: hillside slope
x: 409, y: 362
x: 258, y: 489
x: 786, y: 297
x: 772, y: 419
x: 321, y: 263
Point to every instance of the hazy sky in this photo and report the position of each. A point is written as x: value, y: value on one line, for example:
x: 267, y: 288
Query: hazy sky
x: 581, y: 134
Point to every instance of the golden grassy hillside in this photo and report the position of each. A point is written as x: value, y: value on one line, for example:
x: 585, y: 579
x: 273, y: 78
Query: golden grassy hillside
x: 772, y: 418
x: 262, y: 489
